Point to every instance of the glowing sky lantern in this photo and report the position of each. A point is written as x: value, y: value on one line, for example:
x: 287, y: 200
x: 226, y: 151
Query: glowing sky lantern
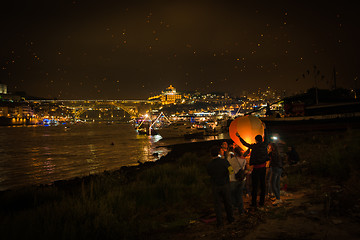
x: 248, y: 127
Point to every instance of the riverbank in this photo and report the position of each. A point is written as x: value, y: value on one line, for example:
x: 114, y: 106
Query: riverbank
x: 171, y: 198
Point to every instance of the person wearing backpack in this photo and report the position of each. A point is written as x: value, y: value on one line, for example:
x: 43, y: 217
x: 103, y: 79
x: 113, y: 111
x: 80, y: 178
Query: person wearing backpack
x: 237, y: 178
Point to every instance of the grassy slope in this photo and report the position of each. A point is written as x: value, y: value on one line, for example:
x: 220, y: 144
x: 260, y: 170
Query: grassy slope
x: 109, y: 206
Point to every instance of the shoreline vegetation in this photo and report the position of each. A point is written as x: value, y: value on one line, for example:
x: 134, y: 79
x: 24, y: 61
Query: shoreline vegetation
x: 171, y: 198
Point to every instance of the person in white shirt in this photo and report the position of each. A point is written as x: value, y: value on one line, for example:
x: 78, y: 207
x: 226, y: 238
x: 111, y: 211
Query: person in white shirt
x: 238, y: 162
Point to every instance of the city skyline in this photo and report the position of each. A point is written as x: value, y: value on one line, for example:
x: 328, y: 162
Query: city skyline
x: 112, y: 50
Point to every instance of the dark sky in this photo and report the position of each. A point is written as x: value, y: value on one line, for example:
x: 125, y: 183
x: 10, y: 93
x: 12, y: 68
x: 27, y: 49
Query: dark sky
x: 85, y: 49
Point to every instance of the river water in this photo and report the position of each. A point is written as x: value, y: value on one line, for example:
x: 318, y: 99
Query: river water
x: 31, y: 155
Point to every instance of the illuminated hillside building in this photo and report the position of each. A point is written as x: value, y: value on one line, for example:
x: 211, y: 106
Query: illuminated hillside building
x: 169, y: 96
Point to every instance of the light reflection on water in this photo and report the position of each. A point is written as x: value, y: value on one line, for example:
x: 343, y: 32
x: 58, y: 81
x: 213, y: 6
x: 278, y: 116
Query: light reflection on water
x: 41, y: 155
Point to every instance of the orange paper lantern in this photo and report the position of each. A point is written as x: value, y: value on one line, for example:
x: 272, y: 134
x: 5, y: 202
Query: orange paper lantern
x: 248, y: 127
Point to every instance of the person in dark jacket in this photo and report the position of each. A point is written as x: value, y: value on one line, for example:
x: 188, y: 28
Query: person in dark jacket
x: 258, y: 158
x: 276, y: 170
x: 292, y: 156
x: 218, y: 169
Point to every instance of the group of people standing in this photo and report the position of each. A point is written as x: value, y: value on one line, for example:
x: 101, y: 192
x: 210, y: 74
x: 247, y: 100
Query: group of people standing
x: 228, y: 184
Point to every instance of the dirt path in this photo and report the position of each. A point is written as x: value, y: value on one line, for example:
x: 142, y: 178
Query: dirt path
x: 300, y: 216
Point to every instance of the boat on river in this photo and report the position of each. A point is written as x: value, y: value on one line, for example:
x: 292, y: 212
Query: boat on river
x: 180, y: 129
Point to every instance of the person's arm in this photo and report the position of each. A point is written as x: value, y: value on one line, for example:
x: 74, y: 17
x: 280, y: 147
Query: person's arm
x: 243, y: 141
x: 246, y: 153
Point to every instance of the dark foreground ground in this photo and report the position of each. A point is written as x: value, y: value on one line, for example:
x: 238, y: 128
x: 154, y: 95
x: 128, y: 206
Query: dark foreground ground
x: 302, y: 215
x: 321, y: 200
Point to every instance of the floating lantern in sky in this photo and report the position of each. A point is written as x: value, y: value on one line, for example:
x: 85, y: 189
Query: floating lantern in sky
x: 248, y: 127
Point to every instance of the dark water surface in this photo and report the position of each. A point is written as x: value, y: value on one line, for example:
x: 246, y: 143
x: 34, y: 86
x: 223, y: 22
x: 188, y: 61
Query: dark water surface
x: 41, y: 155
x: 32, y: 155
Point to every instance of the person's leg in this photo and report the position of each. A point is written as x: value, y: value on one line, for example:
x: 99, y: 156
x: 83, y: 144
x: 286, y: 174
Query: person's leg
x: 255, y: 181
x: 240, y: 195
x: 233, y: 193
x: 268, y: 181
x: 227, y: 203
x: 262, y: 175
x: 277, y: 182
x: 248, y: 184
x: 273, y: 181
x: 217, y: 206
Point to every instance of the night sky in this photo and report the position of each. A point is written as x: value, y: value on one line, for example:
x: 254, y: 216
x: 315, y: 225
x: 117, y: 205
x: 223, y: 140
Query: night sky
x: 135, y: 49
